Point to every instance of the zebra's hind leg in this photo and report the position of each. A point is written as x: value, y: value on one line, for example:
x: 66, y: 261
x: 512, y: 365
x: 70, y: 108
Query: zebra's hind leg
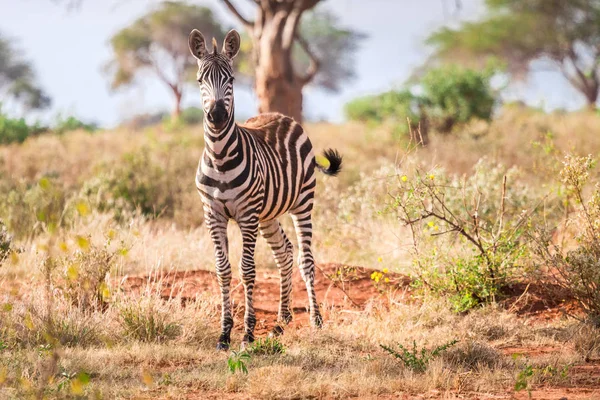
x: 249, y: 229
x: 218, y: 232
x: 303, y: 224
x: 283, y: 252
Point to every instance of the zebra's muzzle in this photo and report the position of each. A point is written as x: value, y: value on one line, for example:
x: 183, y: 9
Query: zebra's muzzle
x: 217, y: 114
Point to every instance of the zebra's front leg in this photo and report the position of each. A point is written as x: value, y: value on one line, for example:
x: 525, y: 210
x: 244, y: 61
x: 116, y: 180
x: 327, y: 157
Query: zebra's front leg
x: 306, y: 261
x: 249, y: 229
x: 218, y: 232
x: 283, y: 251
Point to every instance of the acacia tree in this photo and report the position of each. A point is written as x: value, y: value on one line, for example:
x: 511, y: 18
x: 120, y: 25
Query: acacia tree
x: 563, y: 35
x: 157, y: 43
x: 17, y: 79
x: 288, y: 55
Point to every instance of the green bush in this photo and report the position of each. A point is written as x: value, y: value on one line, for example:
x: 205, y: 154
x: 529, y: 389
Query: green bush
x: 455, y: 94
x: 16, y: 130
x: 28, y: 210
x: 394, y: 107
x: 71, y: 123
x: 189, y: 116
x: 154, y: 181
x: 138, y: 182
x: 450, y: 95
x: 267, y: 346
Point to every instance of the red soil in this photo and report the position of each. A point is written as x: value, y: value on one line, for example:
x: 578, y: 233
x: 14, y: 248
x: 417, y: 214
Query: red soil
x: 354, y: 293
x: 539, y: 302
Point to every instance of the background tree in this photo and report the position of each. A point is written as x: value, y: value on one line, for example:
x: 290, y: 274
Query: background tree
x: 288, y: 55
x: 448, y: 96
x: 563, y: 35
x: 157, y: 43
x: 17, y: 79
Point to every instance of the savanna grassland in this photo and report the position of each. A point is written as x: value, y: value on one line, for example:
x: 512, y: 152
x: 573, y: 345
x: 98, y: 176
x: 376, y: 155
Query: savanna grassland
x: 466, y: 269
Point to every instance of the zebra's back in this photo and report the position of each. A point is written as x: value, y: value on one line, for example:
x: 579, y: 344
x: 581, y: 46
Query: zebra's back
x: 285, y: 157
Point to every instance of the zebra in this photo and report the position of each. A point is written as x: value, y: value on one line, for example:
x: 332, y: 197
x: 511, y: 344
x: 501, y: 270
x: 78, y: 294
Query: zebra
x: 253, y: 173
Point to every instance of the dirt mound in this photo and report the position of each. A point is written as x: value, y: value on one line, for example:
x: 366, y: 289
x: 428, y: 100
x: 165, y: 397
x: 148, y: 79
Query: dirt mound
x: 542, y: 301
x: 337, y: 285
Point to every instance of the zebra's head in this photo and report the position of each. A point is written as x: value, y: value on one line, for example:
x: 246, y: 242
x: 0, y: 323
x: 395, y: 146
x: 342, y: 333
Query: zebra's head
x: 215, y: 76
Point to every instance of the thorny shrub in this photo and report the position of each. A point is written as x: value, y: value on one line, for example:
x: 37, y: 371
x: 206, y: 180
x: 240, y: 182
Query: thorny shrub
x: 414, y: 359
x: 481, y: 220
x: 576, y: 269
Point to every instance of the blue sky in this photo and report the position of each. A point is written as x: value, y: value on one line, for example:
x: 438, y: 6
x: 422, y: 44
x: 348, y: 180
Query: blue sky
x: 69, y: 48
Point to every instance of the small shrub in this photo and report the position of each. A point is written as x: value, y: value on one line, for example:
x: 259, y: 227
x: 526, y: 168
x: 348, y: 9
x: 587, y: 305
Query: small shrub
x: 28, y: 210
x: 414, y: 359
x: 483, y: 217
x: 586, y: 341
x: 83, y: 275
x: 267, y: 346
x: 531, y: 373
x: 146, y: 323
x: 73, y: 328
x: 237, y: 361
x: 576, y: 270
x: 71, y: 123
x: 16, y: 130
x: 473, y: 355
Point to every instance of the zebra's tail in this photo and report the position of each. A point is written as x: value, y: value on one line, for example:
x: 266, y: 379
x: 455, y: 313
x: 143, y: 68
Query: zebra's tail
x: 335, y: 162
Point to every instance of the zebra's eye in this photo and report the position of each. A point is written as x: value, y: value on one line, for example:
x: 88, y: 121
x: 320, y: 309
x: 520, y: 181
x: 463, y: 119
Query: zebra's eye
x: 230, y: 80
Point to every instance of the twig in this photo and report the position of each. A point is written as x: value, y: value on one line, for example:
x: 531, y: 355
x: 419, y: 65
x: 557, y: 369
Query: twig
x: 337, y: 286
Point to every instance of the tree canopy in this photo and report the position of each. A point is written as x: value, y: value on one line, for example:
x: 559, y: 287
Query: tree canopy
x: 322, y: 38
x: 561, y: 35
x: 17, y: 79
x: 332, y: 44
x: 157, y: 43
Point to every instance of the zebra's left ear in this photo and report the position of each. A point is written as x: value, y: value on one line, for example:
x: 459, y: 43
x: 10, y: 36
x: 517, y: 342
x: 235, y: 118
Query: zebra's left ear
x: 231, y: 45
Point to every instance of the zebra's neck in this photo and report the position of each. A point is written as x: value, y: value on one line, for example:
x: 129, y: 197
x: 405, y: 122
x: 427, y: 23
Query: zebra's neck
x: 221, y: 144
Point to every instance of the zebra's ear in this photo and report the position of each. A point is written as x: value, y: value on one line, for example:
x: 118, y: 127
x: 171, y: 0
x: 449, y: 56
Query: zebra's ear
x: 231, y: 45
x: 197, y: 44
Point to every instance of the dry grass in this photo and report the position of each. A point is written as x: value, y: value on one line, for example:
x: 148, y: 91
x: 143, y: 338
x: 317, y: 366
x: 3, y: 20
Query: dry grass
x: 143, y: 346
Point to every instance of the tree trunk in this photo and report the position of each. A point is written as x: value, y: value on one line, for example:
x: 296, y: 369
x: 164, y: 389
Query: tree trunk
x: 277, y: 86
x: 177, y: 110
x: 591, y: 96
x: 277, y: 94
x: 274, y: 32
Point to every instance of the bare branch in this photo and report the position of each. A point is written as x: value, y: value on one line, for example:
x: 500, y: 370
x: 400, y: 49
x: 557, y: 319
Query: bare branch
x: 247, y: 24
x: 290, y: 28
x: 314, y: 65
x: 306, y: 4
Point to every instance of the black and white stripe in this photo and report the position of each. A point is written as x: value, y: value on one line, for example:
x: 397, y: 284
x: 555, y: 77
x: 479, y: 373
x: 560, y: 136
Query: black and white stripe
x: 254, y: 173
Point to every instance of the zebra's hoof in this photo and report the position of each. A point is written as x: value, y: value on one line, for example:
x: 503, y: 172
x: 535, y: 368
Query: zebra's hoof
x: 247, y: 340
x: 222, y: 346
x: 276, y: 331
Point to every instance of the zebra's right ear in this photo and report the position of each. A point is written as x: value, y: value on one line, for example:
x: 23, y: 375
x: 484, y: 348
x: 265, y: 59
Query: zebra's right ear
x: 197, y: 44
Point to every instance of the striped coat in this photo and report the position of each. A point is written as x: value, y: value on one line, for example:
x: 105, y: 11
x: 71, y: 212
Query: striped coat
x: 254, y: 173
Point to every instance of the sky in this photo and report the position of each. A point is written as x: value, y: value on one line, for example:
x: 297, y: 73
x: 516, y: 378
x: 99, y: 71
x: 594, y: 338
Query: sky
x: 69, y: 48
